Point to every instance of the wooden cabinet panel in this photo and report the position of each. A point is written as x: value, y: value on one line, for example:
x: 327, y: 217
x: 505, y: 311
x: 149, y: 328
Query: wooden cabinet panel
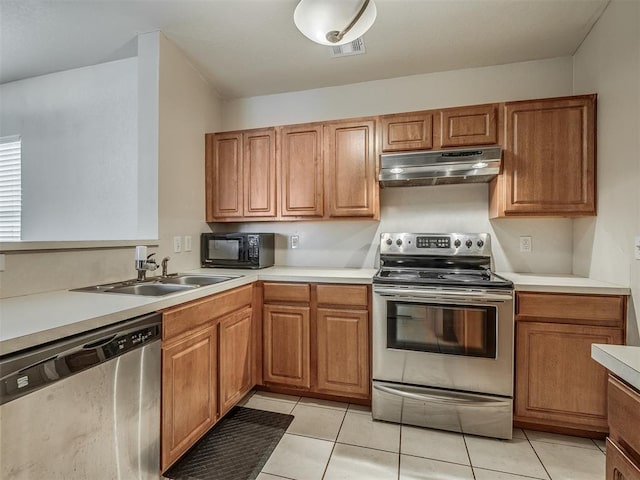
x: 259, y: 165
x: 286, y: 345
x: 351, y: 295
x: 557, y: 382
x: 287, y: 292
x: 469, y: 126
x: 407, y: 131
x: 352, y: 186
x: 301, y: 171
x: 606, y: 310
x: 624, y: 416
x: 549, y: 159
x: 225, y: 171
x: 343, y: 352
x: 235, y: 359
x: 619, y: 465
x: 188, y: 392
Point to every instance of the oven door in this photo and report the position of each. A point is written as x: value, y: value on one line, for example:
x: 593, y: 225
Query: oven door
x: 444, y: 338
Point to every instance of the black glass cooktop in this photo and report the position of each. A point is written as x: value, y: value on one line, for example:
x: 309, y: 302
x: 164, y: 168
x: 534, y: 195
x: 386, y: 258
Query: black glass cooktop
x: 483, y: 278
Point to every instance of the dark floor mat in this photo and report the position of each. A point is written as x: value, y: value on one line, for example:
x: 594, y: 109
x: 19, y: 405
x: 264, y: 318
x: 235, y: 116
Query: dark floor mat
x: 235, y: 449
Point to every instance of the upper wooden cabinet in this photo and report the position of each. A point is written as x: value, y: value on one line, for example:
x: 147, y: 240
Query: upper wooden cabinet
x: 352, y: 186
x: 468, y: 126
x: 301, y: 171
x: 549, y: 159
x: 407, y: 131
x: 241, y: 174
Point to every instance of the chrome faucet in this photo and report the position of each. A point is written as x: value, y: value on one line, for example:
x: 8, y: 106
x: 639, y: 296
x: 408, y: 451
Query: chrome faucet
x: 142, y: 266
x: 165, y: 263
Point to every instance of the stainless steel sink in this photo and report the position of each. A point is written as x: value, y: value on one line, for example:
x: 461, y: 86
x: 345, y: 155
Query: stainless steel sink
x: 199, y: 280
x: 159, y: 286
x: 151, y: 289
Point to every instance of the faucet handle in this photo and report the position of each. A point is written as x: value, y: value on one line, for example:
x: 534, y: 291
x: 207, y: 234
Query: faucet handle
x: 151, y: 255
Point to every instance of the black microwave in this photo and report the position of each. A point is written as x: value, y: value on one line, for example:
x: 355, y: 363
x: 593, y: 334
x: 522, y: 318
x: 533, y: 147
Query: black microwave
x: 237, y: 250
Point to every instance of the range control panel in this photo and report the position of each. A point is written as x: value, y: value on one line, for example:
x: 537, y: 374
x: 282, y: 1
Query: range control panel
x: 435, y: 244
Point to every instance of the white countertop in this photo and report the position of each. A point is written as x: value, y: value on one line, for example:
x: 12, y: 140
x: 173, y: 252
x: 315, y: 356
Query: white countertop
x: 535, y: 282
x: 621, y: 360
x: 31, y: 320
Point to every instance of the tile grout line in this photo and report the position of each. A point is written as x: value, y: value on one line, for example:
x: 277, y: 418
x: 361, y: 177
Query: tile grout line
x: 537, y: 456
x: 334, y: 443
x: 466, y: 447
x: 399, y: 451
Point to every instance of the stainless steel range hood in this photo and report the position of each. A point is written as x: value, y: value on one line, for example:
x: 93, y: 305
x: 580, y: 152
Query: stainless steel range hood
x: 469, y: 165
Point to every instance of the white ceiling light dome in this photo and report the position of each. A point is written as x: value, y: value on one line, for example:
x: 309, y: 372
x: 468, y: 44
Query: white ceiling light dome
x: 334, y: 22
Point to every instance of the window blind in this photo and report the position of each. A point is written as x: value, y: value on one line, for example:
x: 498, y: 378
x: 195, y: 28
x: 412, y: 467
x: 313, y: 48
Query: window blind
x: 10, y: 188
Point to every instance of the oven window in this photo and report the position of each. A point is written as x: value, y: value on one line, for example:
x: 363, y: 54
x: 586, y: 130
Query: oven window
x: 224, y: 249
x: 449, y: 329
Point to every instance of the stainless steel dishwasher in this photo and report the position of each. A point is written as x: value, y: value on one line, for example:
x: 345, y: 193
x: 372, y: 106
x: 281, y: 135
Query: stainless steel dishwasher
x: 84, y: 407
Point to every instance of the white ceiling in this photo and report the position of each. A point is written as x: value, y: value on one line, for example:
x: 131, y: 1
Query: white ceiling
x: 251, y: 47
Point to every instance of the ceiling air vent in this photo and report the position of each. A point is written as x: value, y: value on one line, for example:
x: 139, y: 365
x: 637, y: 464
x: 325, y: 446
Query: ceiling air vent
x: 352, y: 48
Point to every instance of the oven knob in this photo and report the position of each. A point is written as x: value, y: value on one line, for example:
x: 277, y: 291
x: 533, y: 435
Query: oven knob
x: 389, y: 241
x: 468, y: 243
x: 399, y: 242
x: 456, y: 243
x: 480, y: 243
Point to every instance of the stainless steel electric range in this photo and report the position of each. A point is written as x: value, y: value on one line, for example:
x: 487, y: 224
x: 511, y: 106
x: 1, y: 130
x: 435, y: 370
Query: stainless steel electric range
x: 442, y: 334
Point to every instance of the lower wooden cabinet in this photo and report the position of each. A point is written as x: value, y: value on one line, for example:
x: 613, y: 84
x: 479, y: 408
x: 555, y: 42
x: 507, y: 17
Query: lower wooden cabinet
x: 286, y: 339
x: 235, y: 358
x: 558, y: 385
x: 189, y: 391
x: 343, y: 352
x: 623, y: 444
x: 316, y: 338
x: 206, y: 366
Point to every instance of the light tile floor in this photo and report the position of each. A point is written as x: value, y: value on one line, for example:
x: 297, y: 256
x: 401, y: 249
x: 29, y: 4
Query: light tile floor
x: 339, y: 441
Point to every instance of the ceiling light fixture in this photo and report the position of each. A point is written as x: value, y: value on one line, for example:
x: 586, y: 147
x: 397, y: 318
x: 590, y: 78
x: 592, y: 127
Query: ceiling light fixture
x: 334, y: 22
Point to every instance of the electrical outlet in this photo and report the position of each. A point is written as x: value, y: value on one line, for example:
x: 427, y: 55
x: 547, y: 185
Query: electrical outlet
x: 295, y: 241
x: 636, y: 249
x: 187, y: 243
x: 177, y: 244
x: 526, y: 245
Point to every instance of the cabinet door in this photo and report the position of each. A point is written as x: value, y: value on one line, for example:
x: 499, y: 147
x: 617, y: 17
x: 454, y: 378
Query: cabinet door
x: 286, y: 345
x: 224, y: 175
x: 235, y: 358
x: 343, y: 352
x: 352, y: 186
x: 189, y: 392
x: 301, y: 171
x: 407, y: 131
x: 557, y: 382
x: 468, y: 126
x: 259, y: 165
x: 549, y: 157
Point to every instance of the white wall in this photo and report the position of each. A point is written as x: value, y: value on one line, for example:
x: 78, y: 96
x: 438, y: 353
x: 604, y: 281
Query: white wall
x: 188, y: 107
x: 608, y: 62
x: 428, y: 209
x: 79, y: 145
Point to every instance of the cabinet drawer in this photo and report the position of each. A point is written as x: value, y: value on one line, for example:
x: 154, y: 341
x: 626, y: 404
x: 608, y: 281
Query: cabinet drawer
x: 185, y: 317
x: 606, y: 310
x: 624, y: 415
x: 286, y: 292
x: 348, y: 295
x: 619, y: 466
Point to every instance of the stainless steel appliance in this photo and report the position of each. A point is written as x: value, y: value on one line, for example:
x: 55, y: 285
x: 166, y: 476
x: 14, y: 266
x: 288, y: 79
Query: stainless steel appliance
x: 442, y: 335
x: 237, y: 250
x: 85, y: 407
x: 469, y: 165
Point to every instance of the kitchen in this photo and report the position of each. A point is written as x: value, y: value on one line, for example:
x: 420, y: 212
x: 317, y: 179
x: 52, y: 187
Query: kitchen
x: 596, y: 247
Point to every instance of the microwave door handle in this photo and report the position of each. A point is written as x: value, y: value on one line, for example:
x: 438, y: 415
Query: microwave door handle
x: 440, y: 398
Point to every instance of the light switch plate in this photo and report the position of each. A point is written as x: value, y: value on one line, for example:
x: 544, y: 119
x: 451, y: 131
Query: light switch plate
x: 187, y: 243
x: 526, y: 245
x: 177, y: 244
x: 636, y: 249
x: 295, y: 241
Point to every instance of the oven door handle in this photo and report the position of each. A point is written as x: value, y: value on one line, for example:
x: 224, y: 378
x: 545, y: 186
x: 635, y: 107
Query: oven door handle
x: 463, y: 400
x: 423, y: 295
